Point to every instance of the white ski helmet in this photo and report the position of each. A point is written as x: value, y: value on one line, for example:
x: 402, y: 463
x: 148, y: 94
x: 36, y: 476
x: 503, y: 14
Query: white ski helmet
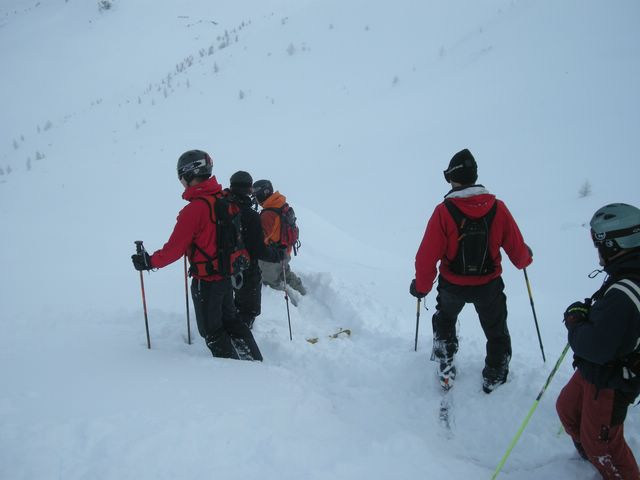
x: 615, y: 227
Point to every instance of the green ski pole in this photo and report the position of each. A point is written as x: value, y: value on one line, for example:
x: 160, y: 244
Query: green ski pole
x: 528, y: 417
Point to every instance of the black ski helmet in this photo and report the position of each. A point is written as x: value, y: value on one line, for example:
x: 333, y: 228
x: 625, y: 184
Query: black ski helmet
x: 262, y: 190
x: 462, y: 169
x: 194, y: 163
x: 615, y: 227
x: 241, y: 183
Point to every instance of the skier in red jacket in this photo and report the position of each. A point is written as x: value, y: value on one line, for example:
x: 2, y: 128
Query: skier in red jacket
x: 195, y: 233
x: 465, y: 234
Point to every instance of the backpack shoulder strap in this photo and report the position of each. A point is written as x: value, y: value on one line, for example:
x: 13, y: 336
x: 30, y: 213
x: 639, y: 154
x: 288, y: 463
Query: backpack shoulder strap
x: 209, y: 201
x: 458, y: 216
x: 629, y: 288
x: 630, y: 363
x: 492, y: 213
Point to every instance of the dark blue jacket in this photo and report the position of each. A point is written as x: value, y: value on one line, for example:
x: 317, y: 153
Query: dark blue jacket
x: 252, y: 233
x: 612, y: 331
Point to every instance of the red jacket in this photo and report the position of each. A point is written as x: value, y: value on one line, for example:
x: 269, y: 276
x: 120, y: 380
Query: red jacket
x: 193, y: 225
x: 440, y: 241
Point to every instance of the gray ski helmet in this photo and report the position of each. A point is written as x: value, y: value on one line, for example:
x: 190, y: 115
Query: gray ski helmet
x: 262, y: 190
x: 241, y: 183
x: 194, y: 163
x: 615, y: 227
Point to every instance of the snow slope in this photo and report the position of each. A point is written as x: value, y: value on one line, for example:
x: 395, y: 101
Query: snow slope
x: 352, y: 109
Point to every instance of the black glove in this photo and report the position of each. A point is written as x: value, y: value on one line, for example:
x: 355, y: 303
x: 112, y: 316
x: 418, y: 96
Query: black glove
x: 529, y: 249
x: 576, y: 312
x: 414, y: 292
x: 141, y: 261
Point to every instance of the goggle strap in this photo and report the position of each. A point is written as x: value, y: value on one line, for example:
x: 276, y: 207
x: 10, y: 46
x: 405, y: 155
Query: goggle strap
x: 623, y: 232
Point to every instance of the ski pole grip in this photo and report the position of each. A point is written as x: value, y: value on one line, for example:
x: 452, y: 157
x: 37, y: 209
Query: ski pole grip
x: 139, y: 247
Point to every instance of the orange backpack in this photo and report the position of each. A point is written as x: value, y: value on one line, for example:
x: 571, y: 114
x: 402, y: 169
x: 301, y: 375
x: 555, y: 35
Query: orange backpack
x: 289, y: 233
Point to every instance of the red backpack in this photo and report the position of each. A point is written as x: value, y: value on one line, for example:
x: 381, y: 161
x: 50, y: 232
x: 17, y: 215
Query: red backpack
x: 289, y: 233
x: 231, y: 256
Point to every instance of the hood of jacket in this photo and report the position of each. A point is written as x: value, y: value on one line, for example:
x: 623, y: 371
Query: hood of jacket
x: 276, y: 200
x: 204, y: 189
x: 474, y: 201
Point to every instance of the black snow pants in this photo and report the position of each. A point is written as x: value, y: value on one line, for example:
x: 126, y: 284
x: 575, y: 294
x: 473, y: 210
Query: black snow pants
x: 490, y: 303
x: 218, y: 324
x: 247, y: 299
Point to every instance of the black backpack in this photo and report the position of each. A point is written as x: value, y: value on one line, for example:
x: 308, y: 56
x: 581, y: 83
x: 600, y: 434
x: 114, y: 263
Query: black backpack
x: 231, y: 256
x: 473, y: 256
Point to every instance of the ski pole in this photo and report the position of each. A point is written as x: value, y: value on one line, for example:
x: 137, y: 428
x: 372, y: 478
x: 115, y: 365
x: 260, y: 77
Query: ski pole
x: 528, y: 417
x: 415, y: 346
x: 535, y: 317
x: 286, y: 298
x: 186, y: 298
x: 139, y: 250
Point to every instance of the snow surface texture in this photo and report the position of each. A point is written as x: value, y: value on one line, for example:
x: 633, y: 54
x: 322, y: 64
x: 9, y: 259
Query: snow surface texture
x: 353, y: 110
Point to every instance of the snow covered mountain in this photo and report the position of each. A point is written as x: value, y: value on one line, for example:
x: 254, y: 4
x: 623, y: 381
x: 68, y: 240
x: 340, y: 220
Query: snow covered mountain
x: 352, y: 109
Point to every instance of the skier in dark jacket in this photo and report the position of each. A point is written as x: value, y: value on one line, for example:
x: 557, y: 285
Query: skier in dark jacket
x: 474, y: 280
x: 195, y: 233
x: 248, y: 297
x: 604, y: 334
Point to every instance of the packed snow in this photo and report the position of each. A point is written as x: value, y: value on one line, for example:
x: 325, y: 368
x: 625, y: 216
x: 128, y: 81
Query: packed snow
x: 352, y: 109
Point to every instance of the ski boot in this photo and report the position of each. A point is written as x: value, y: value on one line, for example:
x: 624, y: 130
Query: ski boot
x: 493, y: 377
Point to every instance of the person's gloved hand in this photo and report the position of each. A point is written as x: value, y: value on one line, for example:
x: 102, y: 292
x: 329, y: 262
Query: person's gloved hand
x: 414, y: 292
x: 530, y: 251
x: 576, y: 312
x: 141, y: 261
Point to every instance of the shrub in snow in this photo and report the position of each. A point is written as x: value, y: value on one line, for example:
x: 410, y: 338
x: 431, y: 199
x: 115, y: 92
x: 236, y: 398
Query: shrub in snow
x: 105, y: 5
x: 585, y: 189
